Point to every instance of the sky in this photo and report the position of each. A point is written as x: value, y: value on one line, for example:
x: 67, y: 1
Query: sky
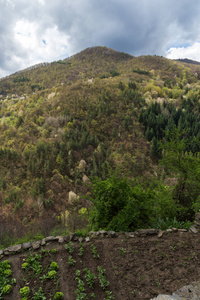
x: 38, y: 31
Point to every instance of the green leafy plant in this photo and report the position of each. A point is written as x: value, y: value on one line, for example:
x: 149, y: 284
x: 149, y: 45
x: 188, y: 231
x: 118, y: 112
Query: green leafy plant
x: 90, y: 278
x: 102, y: 278
x: 58, y: 296
x: 39, y: 295
x: 54, y: 266
x: 94, y: 251
x: 52, y: 274
x: 33, y: 262
x: 6, y: 281
x: 93, y: 296
x: 71, y: 261
x: 167, y: 223
x: 109, y: 295
x: 81, y: 249
x: 24, y: 292
x: 7, y: 289
x: 122, y: 251
x: 80, y: 291
x: 70, y: 247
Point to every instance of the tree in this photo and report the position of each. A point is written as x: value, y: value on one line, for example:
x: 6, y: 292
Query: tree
x: 119, y: 205
x: 185, y: 166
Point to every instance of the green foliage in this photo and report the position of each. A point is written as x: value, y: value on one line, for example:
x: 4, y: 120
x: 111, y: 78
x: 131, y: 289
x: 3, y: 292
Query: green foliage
x: 59, y: 296
x: 141, y: 72
x: 6, y: 281
x: 71, y: 261
x: 24, y: 292
x: 114, y: 73
x: 21, y: 79
x: 54, y: 266
x: 39, y: 295
x: 90, y: 278
x: 168, y: 223
x: 94, y: 251
x: 69, y: 247
x: 120, y: 206
x: 185, y: 165
x: 102, y: 278
x: 52, y: 274
x: 7, y: 289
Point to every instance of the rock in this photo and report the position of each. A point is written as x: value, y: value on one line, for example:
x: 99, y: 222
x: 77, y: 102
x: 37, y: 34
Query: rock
x: 43, y: 243
x: 50, y: 239
x: 112, y: 234
x: 148, y: 231
x: 26, y: 246
x: 167, y: 297
x: 191, y: 291
x: 36, y: 244
x: 193, y: 229
x: 169, y: 230
x: 131, y: 235
x: 175, y: 229
x: 103, y: 233
x: 60, y: 239
x: 16, y: 248
x: 1, y: 252
x: 81, y: 239
x: 182, y: 230
x: 97, y: 233
x: 87, y: 239
x: 196, y: 223
x: 160, y: 234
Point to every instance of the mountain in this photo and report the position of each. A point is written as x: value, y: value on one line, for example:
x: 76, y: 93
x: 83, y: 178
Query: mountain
x: 188, y: 61
x: 64, y: 123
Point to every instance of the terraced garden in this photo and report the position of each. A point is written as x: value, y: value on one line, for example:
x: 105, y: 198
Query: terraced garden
x: 133, y: 266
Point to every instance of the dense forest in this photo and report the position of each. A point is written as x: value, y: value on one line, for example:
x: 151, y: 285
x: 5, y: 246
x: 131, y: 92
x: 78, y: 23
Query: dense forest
x: 99, y: 140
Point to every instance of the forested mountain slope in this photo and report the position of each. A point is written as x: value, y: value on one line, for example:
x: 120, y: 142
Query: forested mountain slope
x: 64, y: 123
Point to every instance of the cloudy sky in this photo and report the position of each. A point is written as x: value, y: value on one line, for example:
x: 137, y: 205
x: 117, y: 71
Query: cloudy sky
x: 47, y: 30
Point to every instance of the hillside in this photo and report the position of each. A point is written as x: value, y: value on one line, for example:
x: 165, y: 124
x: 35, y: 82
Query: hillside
x: 64, y: 124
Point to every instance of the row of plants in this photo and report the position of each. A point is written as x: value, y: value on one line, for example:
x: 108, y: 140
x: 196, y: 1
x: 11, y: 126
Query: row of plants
x: 7, y: 281
x: 86, y: 277
x: 39, y: 274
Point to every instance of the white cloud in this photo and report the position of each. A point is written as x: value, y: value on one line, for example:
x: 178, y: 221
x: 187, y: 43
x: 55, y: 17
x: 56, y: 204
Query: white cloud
x: 191, y: 52
x: 37, y: 45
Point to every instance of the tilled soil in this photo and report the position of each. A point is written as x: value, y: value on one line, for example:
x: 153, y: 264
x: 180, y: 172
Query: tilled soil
x: 136, y: 268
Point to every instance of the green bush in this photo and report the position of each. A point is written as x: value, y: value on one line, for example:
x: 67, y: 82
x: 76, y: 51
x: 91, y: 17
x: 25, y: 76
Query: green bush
x: 119, y: 205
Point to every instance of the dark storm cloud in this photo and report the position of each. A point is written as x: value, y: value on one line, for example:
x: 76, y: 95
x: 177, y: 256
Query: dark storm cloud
x: 69, y: 26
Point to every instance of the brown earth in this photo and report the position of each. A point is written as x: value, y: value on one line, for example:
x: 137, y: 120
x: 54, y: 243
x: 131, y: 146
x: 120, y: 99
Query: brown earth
x: 136, y: 268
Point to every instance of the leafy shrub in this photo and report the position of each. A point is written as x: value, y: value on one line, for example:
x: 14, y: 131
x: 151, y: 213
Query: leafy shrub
x: 119, y: 206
